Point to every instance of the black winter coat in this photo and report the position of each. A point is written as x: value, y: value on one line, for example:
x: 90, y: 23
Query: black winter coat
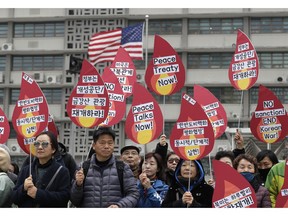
x: 56, y: 196
x: 201, y: 191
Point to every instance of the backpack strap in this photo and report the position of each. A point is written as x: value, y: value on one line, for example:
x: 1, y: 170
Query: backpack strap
x: 120, y: 170
x: 85, y: 166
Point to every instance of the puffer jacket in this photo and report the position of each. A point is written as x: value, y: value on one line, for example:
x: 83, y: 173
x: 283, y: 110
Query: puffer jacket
x: 263, y: 198
x: 275, y: 181
x: 102, y: 188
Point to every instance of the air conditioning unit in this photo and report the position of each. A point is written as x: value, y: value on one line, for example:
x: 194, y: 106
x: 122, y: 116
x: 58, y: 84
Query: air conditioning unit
x: 51, y: 79
x: 14, y: 148
x: 221, y: 148
x: 140, y: 78
x: 233, y: 115
x: 38, y: 77
x: 7, y: 46
x: 1, y: 77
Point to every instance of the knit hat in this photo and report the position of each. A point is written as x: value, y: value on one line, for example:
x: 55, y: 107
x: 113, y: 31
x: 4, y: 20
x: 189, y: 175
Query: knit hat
x: 4, y: 160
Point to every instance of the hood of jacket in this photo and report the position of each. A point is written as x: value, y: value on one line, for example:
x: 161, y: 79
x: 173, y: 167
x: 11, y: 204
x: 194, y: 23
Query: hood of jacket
x: 193, y: 182
x: 62, y: 148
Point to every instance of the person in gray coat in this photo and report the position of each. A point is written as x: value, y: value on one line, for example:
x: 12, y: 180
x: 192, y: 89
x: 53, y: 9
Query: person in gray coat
x: 100, y: 186
x: 6, y: 184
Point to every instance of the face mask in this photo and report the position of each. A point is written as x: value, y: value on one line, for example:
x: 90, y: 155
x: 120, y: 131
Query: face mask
x: 248, y: 176
x: 264, y: 173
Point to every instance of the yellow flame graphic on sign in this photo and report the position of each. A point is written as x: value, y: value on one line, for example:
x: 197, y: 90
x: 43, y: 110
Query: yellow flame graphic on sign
x: 144, y: 136
x: 163, y: 90
x: 87, y: 121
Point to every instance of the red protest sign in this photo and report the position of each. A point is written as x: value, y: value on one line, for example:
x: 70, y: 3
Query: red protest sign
x: 144, y: 121
x: 192, y: 136
x: 244, y: 66
x: 213, y: 109
x: 4, y: 127
x: 26, y: 144
x: 232, y: 190
x: 124, y: 68
x: 88, y: 103
x: 165, y: 73
x: 269, y: 122
x: 117, y: 103
x: 30, y: 115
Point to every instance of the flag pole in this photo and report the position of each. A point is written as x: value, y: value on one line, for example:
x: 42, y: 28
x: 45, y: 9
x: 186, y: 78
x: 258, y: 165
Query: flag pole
x: 241, y: 106
x: 146, y: 59
x: 146, y: 41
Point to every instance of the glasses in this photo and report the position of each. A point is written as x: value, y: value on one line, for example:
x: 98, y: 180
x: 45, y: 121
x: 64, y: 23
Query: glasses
x: 43, y: 144
x: 176, y: 160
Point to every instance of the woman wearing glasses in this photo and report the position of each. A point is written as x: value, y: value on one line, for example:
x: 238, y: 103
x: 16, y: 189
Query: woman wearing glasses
x: 45, y: 183
x: 172, y: 160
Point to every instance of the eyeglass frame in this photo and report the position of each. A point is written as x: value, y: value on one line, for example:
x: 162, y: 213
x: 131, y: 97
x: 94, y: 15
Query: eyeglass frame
x: 44, y: 144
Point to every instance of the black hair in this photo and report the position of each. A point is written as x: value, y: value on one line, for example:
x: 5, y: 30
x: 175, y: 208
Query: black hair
x: 221, y: 154
x: 53, y: 139
x: 247, y: 157
x: 160, y: 172
x: 267, y: 153
x: 102, y: 131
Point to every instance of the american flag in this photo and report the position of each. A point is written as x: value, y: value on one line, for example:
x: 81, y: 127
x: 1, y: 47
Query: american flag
x: 103, y: 46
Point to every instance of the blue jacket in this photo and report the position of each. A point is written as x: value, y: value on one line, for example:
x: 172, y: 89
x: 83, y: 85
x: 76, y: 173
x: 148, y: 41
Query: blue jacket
x: 153, y: 196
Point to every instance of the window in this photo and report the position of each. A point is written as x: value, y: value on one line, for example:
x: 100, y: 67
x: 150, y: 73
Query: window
x: 228, y: 95
x: 214, y: 26
x: 279, y: 92
x: 3, y: 30
x: 162, y: 27
x: 53, y: 96
x: 209, y: 60
x: 140, y: 64
x: 1, y: 96
x: 273, y: 60
x: 269, y: 25
x: 161, y: 99
x: 56, y: 29
x: 2, y: 63
x: 37, y: 63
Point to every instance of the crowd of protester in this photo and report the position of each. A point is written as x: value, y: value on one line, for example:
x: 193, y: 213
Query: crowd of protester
x: 159, y: 179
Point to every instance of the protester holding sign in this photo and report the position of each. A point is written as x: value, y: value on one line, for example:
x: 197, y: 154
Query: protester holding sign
x: 247, y: 166
x: 44, y: 183
x: 189, y: 174
x: 100, y: 183
x: 151, y: 183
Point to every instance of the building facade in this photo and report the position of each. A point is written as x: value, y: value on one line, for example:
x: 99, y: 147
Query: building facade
x: 41, y: 42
